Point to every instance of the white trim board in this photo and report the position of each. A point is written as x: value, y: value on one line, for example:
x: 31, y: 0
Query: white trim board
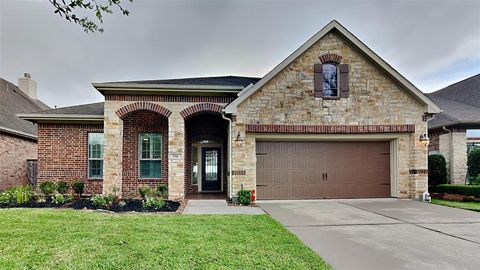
x: 334, y: 25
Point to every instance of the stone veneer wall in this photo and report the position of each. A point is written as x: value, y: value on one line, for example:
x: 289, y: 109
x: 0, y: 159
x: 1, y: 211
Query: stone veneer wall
x: 134, y: 124
x: 454, y: 148
x: 375, y: 99
x: 113, y: 175
x: 63, y: 154
x: 14, y: 152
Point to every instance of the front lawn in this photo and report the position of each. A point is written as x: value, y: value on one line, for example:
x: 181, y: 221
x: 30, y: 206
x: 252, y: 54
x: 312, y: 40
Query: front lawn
x: 474, y: 206
x: 70, y: 239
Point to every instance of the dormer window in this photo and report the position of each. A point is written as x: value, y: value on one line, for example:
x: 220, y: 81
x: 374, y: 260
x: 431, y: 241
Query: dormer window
x: 330, y: 81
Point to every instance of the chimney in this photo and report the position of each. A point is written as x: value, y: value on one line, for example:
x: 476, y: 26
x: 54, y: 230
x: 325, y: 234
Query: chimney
x: 28, y: 86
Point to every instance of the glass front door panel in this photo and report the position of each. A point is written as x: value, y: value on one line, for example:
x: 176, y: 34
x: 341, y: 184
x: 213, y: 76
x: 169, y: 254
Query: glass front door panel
x: 211, y: 165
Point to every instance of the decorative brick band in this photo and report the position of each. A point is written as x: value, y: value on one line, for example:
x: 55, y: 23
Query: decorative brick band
x: 330, y: 129
x: 418, y: 171
x: 212, y: 99
x: 239, y: 172
x: 330, y: 57
x: 202, y: 108
x: 143, y: 106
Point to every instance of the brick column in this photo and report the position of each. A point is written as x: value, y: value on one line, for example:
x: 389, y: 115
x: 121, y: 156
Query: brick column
x: 176, y: 156
x: 112, y: 162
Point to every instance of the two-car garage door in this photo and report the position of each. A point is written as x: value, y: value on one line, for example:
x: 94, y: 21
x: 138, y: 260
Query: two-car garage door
x: 309, y: 170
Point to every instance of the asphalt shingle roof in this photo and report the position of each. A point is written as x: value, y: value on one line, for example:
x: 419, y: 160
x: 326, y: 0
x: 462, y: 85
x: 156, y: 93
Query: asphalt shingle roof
x: 13, y: 101
x: 85, y: 109
x: 220, y: 81
x: 460, y: 103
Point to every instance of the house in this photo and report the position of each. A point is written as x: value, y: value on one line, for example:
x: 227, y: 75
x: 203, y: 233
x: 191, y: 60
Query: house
x: 332, y: 120
x: 449, y: 130
x: 18, y: 138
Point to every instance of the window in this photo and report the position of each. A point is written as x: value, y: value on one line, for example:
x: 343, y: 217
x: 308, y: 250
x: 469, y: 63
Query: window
x: 95, y: 155
x: 330, y: 82
x: 150, y: 155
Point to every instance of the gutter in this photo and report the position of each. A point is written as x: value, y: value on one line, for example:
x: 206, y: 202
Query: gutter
x: 230, y: 183
x: 61, y: 117
x: 18, y: 133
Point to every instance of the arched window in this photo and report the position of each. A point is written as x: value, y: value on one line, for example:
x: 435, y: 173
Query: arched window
x: 330, y: 80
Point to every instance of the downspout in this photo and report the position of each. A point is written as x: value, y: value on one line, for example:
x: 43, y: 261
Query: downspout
x: 450, y: 154
x: 229, y: 153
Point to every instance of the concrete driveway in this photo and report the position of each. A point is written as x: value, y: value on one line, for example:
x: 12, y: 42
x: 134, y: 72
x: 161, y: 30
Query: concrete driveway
x: 383, y: 233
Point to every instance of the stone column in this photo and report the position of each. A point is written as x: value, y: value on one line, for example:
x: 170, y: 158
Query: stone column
x: 112, y: 162
x: 418, y: 163
x: 453, y: 146
x: 176, y: 156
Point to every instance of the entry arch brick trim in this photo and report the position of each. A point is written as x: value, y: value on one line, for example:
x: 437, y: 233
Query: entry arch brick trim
x: 202, y: 108
x: 143, y: 106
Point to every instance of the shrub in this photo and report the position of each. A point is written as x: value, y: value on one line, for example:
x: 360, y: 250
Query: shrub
x: 244, y: 197
x: 58, y: 199
x: 78, y: 186
x: 99, y: 201
x: 437, y: 170
x: 62, y: 187
x: 145, y: 191
x: 459, y: 189
x: 162, y: 191
x: 20, y: 195
x: 153, y: 203
x: 473, y: 163
x: 48, y: 188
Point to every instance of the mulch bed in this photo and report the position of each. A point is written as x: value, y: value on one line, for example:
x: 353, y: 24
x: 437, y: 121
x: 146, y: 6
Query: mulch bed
x: 128, y: 205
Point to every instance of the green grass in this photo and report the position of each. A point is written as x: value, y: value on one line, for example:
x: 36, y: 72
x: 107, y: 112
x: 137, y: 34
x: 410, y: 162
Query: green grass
x: 474, y: 206
x: 70, y: 239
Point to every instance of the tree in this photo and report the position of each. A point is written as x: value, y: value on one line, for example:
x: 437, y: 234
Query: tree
x: 69, y: 9
x: 474, y: 164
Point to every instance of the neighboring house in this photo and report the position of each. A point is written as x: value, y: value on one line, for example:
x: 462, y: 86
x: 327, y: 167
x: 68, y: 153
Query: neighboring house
x: 18, y: 138
x: 333, y: 120
x: 460, y: 105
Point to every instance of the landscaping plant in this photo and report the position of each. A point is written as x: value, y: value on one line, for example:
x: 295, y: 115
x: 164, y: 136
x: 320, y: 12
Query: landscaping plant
x: 473, y: 190
x: 162, y: 191
x: 437, y: 170
x: 62, y: 187
x: 78, y: 186
x: 473, y: 164
x: 48, y: 188
x: 244, y: 197
x: 99, y: 201
x: 20, y: 195
x: 153, y: 203
x: 145, y: 190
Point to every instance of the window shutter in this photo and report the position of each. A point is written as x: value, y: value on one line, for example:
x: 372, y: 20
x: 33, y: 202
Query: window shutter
x: 344, y: 82
x: 318, y: 80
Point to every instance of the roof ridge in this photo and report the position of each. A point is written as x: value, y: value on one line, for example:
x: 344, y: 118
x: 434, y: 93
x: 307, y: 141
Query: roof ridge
x: 461, y: 81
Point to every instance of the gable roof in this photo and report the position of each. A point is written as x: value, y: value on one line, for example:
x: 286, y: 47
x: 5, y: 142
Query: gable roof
x: 336, y: 26
x: 203, y: 85
x: 12, y: 101
x: 460, y: 104
x: 92, y: 112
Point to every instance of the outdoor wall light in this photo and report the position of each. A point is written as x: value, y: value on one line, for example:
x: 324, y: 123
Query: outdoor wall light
x: 424, y: 139
x: 239, y: 139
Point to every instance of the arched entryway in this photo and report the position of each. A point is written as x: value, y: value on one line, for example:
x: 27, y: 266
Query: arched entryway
x: 206, y: 153
x: 145, y: 146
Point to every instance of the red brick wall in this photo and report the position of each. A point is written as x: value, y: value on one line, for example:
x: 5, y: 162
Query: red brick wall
x: 134, y: 124
x: 14, y: 153
x: 63, y: 154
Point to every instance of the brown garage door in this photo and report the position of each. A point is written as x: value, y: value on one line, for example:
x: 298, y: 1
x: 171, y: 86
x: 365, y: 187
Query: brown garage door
x: 309, y: 170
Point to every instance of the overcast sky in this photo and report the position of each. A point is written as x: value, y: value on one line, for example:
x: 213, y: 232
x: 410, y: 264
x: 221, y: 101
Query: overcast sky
x: 433, y: 44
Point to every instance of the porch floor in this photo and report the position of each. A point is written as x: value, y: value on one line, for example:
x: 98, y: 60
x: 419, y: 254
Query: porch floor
x: 207, y: 196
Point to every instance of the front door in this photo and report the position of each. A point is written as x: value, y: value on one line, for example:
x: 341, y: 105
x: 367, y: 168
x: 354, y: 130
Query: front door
x: 211, y: 168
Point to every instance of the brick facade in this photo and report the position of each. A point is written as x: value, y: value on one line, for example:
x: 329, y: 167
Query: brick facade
x: 63, y: 154
x: 134, y: 124
x: 14, y: 152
